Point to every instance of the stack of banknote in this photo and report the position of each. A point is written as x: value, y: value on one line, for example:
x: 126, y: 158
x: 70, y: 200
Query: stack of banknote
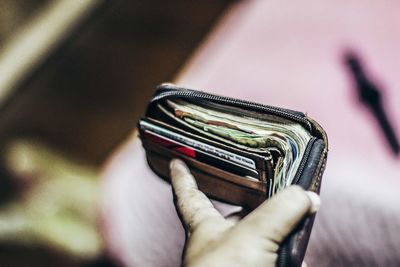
x: 253, y: 145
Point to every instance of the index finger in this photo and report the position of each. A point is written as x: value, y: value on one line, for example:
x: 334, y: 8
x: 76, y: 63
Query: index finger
x: 194, y: 207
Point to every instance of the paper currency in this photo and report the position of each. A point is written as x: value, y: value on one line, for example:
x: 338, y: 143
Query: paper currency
x: 239, y: 128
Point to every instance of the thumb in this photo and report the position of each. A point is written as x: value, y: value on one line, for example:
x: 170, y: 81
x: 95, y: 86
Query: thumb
x: 277, y: 217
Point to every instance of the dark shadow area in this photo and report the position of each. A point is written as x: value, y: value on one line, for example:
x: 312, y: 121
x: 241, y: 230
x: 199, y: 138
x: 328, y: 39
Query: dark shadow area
x: 89, y: 94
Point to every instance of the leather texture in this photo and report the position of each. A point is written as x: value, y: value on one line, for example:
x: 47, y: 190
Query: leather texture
x: 217, y: 183
x: 234, y: 189
x: 293, y: 249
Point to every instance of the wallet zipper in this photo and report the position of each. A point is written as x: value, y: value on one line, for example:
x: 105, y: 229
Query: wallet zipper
x: 304, y: 160
x: 169, y: 90
x: 281, y: 261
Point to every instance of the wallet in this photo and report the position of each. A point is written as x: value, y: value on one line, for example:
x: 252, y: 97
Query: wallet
x: 239, y: 152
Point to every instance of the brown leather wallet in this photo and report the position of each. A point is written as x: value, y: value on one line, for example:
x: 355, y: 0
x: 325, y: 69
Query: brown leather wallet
x: 239, y: 152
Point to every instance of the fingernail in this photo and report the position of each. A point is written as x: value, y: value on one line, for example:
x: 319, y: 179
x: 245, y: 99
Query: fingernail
x: 178, y: 164
x: 315, y: 201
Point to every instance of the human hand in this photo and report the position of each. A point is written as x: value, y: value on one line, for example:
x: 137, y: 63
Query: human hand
x: 253, y: 241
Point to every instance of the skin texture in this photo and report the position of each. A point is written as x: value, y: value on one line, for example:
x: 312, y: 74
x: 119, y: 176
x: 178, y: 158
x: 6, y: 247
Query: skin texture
x: 252, y: 241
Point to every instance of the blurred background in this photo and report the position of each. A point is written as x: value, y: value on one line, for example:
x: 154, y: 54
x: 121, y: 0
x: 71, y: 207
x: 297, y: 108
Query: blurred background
x: 75, y: 77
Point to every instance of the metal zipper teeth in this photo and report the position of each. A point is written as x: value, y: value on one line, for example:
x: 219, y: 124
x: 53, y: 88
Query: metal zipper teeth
x: 275, y: 110
x: 304, y: 160
x: 282, y: 257
x: 243, y: 103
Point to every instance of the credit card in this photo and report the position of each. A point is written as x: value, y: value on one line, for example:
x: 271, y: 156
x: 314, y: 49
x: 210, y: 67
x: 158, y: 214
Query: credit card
x: 200, y: 155
x: 262, y: 162
x: 201, y: 146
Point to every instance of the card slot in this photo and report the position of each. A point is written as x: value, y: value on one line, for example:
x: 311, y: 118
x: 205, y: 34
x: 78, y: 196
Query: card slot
x: 222, y: 174
x: 262, y: 162
x: 215, y: 183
